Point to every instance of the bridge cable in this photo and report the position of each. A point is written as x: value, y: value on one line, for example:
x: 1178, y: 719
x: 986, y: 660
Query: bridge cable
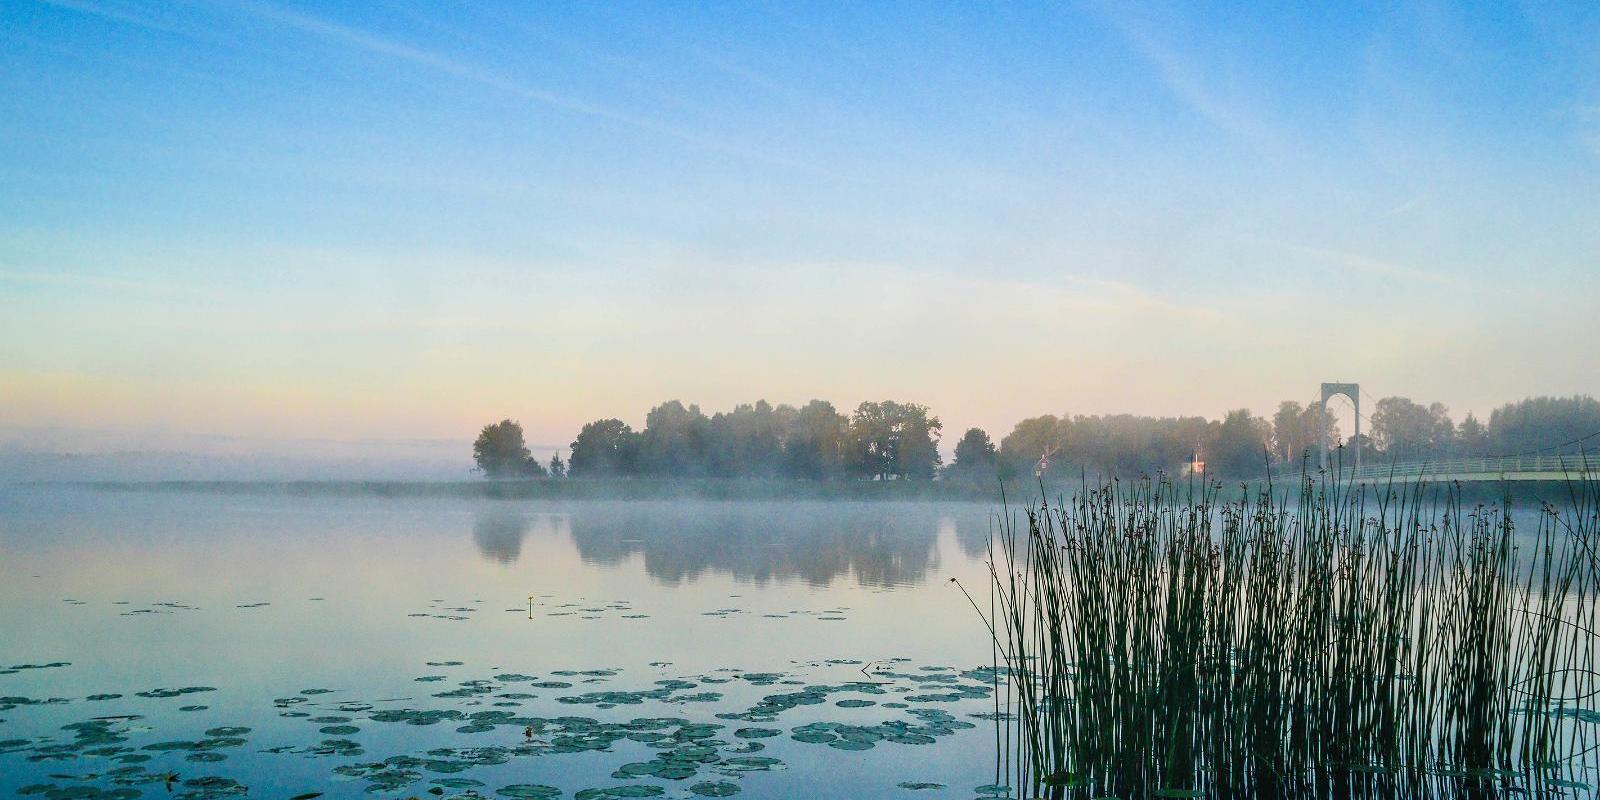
x: 1358, y: 413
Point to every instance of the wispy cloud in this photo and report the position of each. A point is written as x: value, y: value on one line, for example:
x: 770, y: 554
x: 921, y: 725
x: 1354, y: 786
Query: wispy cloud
x: 1406, y: 206
x: 100, y: 283
x: 1187, y: 80
x: 1357, y: 262
x: 349, y: 36
x: 833, y: 284
x: 338, y: 33
x: 124, y: 17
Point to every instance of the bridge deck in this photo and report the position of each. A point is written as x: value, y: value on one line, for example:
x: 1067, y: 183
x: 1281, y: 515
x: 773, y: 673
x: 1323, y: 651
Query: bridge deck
x: 1466, y: 470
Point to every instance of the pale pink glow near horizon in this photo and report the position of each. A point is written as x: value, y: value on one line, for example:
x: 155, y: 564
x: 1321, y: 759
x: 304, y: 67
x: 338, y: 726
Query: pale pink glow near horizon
x: 979, y: 353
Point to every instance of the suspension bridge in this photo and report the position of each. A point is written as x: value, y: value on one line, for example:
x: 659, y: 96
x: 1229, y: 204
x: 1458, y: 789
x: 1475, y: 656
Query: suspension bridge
x: 1467, y: 470
x: 1526, y: 467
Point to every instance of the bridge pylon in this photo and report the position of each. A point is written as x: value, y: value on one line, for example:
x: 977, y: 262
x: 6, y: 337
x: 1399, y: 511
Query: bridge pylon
x: 1352, y: 391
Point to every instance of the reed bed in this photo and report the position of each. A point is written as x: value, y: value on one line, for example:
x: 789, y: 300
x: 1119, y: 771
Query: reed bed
x: 1322, y: 640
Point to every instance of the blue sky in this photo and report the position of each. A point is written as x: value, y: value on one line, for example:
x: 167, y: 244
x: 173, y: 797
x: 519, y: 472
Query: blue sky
x: 394, y: 220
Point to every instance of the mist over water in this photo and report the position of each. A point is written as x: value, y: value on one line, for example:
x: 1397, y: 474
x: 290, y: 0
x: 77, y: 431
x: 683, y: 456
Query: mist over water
x: 262, y: 598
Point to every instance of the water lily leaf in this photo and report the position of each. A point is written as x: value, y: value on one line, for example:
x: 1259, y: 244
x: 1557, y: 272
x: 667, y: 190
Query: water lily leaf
x: 528, y: 791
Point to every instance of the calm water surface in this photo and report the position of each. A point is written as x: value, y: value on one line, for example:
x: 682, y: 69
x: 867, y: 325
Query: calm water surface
x: 278, y: 646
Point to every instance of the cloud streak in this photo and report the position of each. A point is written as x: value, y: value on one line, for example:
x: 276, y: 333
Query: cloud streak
x: 365, y: 41
x: 100, y: 283
x: 1186, y: 81
x: 368, y: 42
x: 114, y: 15
x: 1356, y: 262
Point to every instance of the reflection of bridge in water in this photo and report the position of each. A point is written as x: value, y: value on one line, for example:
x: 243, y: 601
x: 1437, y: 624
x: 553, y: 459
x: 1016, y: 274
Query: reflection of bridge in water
x: 1470, y: 470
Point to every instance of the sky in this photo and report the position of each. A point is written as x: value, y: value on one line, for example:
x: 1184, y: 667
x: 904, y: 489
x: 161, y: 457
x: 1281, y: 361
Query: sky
x: 306, y: 228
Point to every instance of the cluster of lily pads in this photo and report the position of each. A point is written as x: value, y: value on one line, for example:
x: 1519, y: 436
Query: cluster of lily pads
x: 705, y: 757
x: 16, y: 668
x: 439, y: 609
x: 587, y: 609
x: 157, y: 608
x: 543, y: 605
x: 127, y: 767
x: 162, y: 607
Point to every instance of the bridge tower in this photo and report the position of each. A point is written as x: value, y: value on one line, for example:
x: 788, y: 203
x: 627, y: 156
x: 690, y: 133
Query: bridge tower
x: 1352, y: 391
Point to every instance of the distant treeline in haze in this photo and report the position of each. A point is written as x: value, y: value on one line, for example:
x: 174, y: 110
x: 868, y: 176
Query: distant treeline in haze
x: 892, y: 440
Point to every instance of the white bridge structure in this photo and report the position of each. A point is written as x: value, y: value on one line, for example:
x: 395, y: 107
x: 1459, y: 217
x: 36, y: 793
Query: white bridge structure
x: 1474, y: 470
x: 1464, y: 470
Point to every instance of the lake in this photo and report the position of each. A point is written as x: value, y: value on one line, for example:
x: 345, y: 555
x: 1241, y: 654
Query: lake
x: 194, y: 645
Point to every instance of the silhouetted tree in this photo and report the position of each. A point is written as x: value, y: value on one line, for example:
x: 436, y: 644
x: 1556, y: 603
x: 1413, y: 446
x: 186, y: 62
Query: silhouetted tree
x: 604, y: 447
x: 673, y: 442
x: 975, y: 457
x: 1294, y: 431
x: 1029, y: 441
x: 1118, y: 444
x: 1124, y: 444
x: 1549, y: 425
x: 1287, y: 437
x: 747, y: 441
x: 558, y: 468
x: 1361, y: 442
x: 1403, y: 430
x: 1313, y: 417
x: 1472, y: 438
x: 890, y: 439
x: 813, y: 446
x: 500, y: 452
x: 1240, y: 447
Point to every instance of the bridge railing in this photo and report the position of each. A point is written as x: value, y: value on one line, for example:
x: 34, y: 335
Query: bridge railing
x: 1478, y: 468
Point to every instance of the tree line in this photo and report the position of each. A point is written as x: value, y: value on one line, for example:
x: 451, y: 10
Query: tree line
x: 891, y: 440
x: 879, y: 440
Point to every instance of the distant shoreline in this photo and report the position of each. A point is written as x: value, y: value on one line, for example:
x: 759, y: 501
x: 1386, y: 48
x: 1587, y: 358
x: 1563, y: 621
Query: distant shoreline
x: 578, y: 489
x: 1017, y: 494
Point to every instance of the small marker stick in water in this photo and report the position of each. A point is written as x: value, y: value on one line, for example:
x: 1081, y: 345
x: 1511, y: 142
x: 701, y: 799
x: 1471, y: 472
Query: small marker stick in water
x: 530, y: 606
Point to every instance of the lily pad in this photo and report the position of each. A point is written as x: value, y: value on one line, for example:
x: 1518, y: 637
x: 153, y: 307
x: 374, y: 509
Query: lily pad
x: 635, y: 790
x: 528, y: 791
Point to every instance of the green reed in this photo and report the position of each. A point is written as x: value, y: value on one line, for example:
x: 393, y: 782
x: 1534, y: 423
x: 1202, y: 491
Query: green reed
x: 1326, y: 640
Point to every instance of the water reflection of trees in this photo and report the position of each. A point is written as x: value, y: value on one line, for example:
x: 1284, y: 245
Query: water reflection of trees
x: 880, y: 544
x: 498, y: 533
